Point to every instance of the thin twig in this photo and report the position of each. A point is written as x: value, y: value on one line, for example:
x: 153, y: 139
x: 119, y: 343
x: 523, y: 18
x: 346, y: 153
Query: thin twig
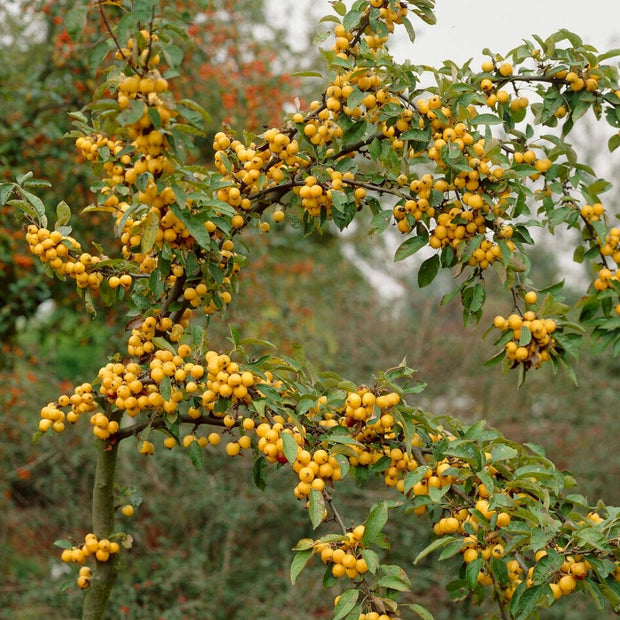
x: 330, y: 501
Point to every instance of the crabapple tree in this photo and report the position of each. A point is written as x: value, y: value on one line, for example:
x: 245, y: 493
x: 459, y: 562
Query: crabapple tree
x: 463, y: 169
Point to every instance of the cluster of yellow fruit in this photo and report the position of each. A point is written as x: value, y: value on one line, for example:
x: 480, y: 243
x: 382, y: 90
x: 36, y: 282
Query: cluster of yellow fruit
x: 314, y: 469
x: 317, y: 198
x: 534, y: 349
x: 447, y: 131
x: 514, y: 571
x: 375, y: 615
x: 494, y: 94
x: 400, y: 464
x: 611, y: 247
x: 270, y: 441
x: 389, y: 15
x: 169, y: 229
x: 605, y: 278
x: 103, y: 427
x: 225, y: 380
x: 133, y: 389
x: 592, y: 213
x: 81, y: 401
x: 579, y: 78
x: 84, y: 575
x: 344, y: 555
x: 142, y: 155
x: 213, y: 295
x: 252, y: 168
x: 64, y: 255
x: 337, y: 95
x: 100, y: 549
x: 360, y: 406
x: 574, y: 569
x: 433, y: 477
x: 370, y: 415
x: 243, y: 164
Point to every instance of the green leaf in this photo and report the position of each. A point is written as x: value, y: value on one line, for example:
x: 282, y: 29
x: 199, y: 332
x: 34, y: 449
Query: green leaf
x: 63, y: 214
x: 486, y: 119
x: 289, y: 446
x: 428, y: 270
x: 525, y: 600
x: 451, y: 550
x: 374, y: 524
x: 393, y: 582
x: 63, y: 544
x: 195, y: 107
x: 149, y: 231
x: 299, y: 562
x: 316, y: 507
x: 355, y: 98
x: 346, y: 602
x: 421, y: 611
x: 372, y: 560
x: 195, y: 223
x: 156, y: 284
x: 352, y: 19
x: 417, y: 135
x: 546, y: 566
x: 162, y: 343
x: 307, y: 74
x: 410, y: 247
x: 189, y: 130
x: 409, y: 29
x: 5, y: 192
x: 303, y: 544
x: 526, y: 336
x: 502, y: 452
x: 433, y: 546
x: 195, y: 453
x: 34, y: 200
x: 259, y: 468
x: 174, y: 55
x: 614, y: 142
x: 592, y: 587
x: 609, y: 54
x: 610, y: 591
x: 133, y: 113
x: 472, y: 571
x: 165, y: 388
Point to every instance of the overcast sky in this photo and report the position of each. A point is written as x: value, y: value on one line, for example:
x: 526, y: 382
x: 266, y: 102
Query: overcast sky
x: 465, y: 27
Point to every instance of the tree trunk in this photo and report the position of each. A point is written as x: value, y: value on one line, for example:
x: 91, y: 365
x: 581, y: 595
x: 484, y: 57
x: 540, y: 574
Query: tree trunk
x: 105, y: 573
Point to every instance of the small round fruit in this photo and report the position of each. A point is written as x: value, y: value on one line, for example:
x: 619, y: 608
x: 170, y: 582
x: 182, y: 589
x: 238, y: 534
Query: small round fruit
x: 567, y: 584
x: 127, y: 510
x: 233, y: 448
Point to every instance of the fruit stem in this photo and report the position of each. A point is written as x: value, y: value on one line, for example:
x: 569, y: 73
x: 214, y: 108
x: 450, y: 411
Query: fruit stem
x: 106, y: 573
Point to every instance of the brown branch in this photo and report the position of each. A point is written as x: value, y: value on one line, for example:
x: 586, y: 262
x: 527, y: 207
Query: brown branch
x: 330, y: 501
x: 158, y: 422
x: 110, y: 31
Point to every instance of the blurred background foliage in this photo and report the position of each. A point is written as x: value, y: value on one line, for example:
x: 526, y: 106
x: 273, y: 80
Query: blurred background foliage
x: 208, y: 543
